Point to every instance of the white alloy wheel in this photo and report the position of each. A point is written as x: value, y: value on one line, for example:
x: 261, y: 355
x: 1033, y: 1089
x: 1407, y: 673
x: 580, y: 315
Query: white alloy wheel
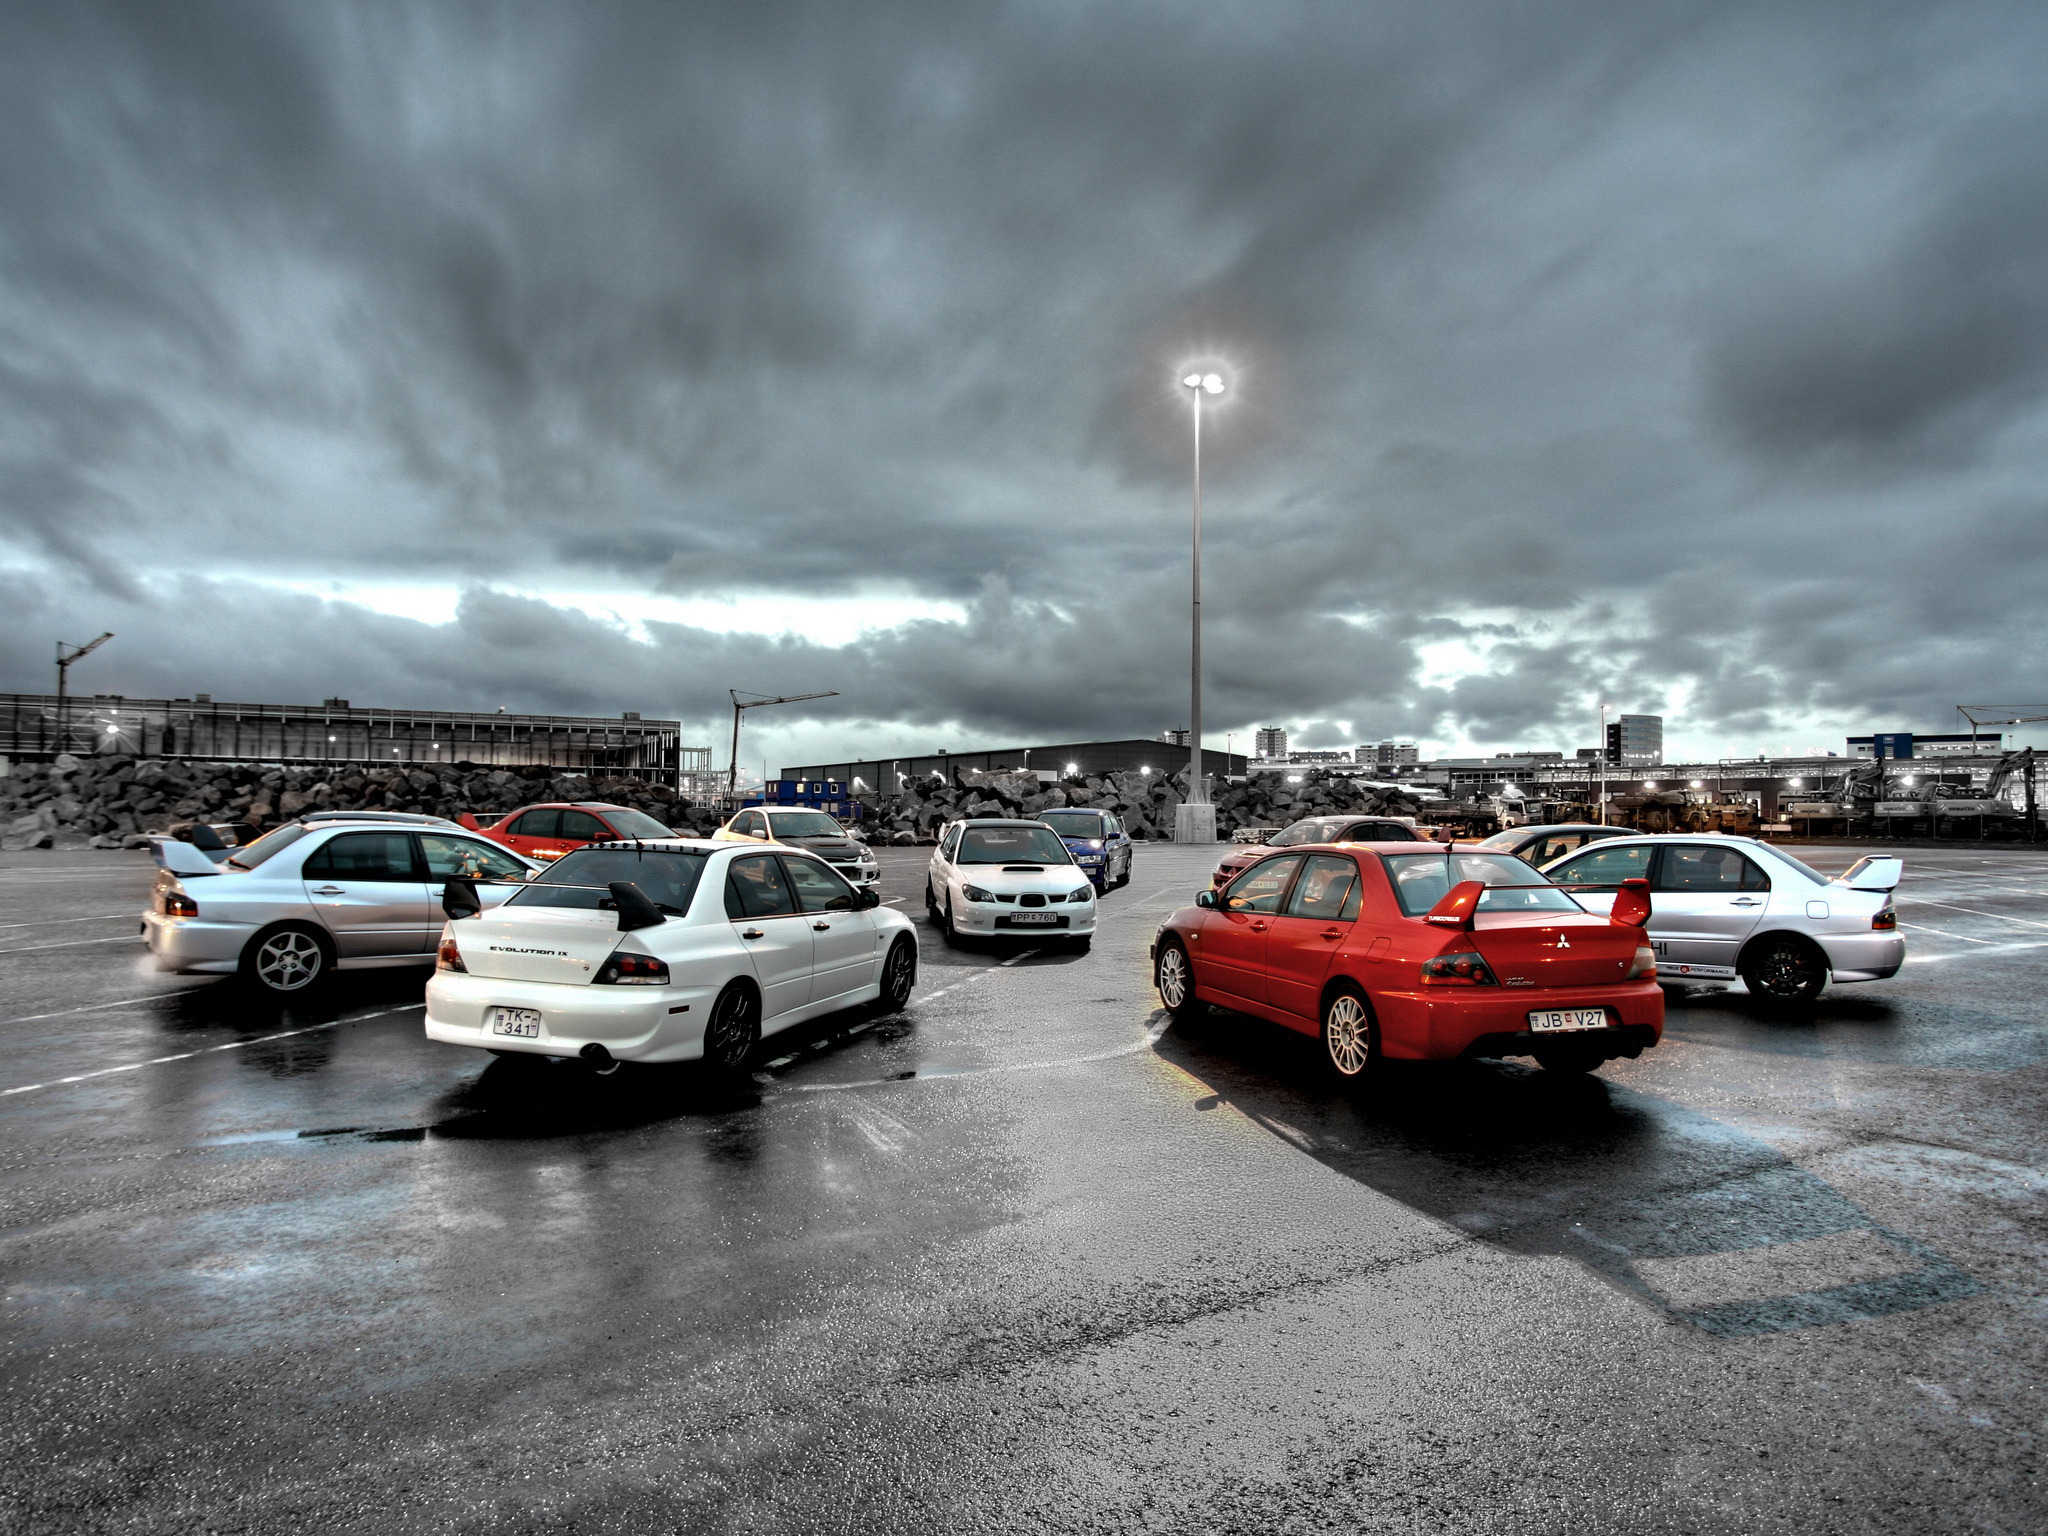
x: 1347, y: 1035
x: 290, y: 960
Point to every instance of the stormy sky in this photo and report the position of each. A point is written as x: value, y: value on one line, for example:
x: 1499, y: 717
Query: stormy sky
x: 590, y: 357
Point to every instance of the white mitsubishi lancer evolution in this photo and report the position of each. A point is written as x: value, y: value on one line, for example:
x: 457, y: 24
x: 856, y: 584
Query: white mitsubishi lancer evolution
x: 665, y: 951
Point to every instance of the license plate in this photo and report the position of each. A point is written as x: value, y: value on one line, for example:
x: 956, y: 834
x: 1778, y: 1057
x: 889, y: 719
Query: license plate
x: 522, y: 1023
x: 1548, y: 1019
x: 1034, y: 917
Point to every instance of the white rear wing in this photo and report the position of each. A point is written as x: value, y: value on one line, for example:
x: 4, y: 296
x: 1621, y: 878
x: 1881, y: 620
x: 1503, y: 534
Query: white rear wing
x: 181, y: 858
x: 1874, y: 872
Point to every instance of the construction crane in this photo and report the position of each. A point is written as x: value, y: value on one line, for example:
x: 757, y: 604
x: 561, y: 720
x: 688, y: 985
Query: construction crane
x: 66, y: 656
x: 732, y: 777
x: 1999, y: 714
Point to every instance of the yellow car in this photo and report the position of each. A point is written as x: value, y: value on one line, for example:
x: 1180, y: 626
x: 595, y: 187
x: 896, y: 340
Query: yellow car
x: 812, y: 831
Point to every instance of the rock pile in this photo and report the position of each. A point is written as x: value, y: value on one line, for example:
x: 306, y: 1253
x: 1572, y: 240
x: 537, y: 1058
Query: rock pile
x: 111, y: 802
x: 1144, y: 803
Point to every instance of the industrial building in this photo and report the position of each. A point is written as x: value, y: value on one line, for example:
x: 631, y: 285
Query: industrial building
x: 40, y: 725
x: 1269, y: 741
x: 1934, y: 746
x: 880, y: 775
x: 1636, y: 739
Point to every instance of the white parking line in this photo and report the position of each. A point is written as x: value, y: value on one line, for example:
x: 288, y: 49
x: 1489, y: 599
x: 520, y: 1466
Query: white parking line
x: 205, y: 1050
x: 119, y: 1002
x: 1978, y: 954
x: 1923, y: 928
x: 1949, y: 906
x: 29, y: 949
x: 51, y: 922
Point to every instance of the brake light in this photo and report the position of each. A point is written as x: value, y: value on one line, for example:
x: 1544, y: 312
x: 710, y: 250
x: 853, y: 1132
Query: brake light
x: 1467, y: 969
x: 178, y: 904
x: 1644, y: 966
x: 628, y: 968
x: 449, y: 956
x: 1886, y: 921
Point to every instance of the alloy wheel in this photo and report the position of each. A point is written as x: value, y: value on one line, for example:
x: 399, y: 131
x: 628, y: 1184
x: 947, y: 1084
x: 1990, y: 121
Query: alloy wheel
x: 1347, y: 1035
x: 1172, y: 977
x: 729, y: 1037
x: 290, y: 961
x: 899, y: 976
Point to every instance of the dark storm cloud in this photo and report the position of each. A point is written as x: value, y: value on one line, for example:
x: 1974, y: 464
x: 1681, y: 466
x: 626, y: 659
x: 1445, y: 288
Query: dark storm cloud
x: 1652, y: 352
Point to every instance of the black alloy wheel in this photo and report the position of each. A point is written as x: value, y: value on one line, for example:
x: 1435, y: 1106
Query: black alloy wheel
x: 1174, y: 978
x: 899, y: 975
x: 734, y: 1029
x: 287, y: 960
x: 1351, y: 1048
x: 1785, y: 970
x: 931, y: 902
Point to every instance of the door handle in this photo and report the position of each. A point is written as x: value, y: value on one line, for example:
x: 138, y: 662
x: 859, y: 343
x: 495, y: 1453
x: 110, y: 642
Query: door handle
x: 750, y: 933
x: 328, y: 890
x: 1333, y: 933
x: 822, y: 927
x: 1258, y: 927
x: 1745, y: 901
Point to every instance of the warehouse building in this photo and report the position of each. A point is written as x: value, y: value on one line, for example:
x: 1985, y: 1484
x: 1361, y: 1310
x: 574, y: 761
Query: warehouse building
x: 881, y: 775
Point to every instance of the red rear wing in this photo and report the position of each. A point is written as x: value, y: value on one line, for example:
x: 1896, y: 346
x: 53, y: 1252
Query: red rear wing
x: 1458, y: 905
x: 1631, y: 903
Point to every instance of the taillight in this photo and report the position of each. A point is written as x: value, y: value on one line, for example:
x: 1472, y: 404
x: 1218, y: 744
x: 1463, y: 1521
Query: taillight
x: 629, y: 969
x: 1644, y: 966
x: 1886, y: 921
x: 1466, y: 969
x: 178, y: 904
x: 449, y: 956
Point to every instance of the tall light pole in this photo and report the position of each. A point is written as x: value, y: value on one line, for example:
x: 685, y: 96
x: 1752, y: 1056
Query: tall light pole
x: 1600, y: 757
x: 1194, y: 820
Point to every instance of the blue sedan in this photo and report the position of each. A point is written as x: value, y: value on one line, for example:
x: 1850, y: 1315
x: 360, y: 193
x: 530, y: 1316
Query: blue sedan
x: 1098, y: 842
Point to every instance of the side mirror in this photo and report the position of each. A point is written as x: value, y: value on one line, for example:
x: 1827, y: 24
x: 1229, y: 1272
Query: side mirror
x: 1631, y: 903
x: 866, y: 898
x: 459, y: 899
x: 1205, y: 898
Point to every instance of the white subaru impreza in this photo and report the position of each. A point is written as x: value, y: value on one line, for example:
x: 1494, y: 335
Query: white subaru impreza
x: 666, y: 951
x: 1009, y: 880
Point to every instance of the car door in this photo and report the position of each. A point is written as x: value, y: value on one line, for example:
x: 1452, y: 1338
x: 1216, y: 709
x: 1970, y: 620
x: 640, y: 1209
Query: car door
x: 842, y: 938
x: 536, y: 833
x: 942, y: 865
x: 1595, y: 874
x: 371, y: 895
x: 1307, y: 932
x: 1118, y: 846
x: 776, y: 936
x: 1233, y: 933
x: 497, y: 874
x: 1707, y: 898
x: 580, y: 827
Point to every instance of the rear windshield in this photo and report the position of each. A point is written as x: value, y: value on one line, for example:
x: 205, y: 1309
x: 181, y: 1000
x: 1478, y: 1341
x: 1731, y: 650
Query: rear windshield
x: 1074, y: 823
x: 1805, y: 869
x: 636, y: 824
x: 1421, y: 880
x: 666, y: 877
x: 267, y: 846
x: 1012, y: 845
x: 804, y: 824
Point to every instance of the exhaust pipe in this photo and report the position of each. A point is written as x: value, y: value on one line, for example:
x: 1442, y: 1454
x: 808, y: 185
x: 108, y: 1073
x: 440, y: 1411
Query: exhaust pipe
x: 599, y: 1059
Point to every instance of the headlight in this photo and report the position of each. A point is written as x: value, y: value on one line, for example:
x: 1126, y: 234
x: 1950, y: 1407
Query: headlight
x: 976, y: 893
x: 1094, y: 842
x: 1082, y: 894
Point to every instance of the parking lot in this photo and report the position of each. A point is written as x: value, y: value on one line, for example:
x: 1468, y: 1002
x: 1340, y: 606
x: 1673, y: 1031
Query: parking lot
x: 1022, y: 1258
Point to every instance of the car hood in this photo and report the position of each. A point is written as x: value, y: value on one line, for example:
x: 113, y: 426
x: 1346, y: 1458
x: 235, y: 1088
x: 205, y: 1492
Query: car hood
x: 1006, y: 880
x: 565, y: 945
x: 828, y: 847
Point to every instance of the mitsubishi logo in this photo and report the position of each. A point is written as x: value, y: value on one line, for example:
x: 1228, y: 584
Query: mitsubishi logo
x: 1563, y: 942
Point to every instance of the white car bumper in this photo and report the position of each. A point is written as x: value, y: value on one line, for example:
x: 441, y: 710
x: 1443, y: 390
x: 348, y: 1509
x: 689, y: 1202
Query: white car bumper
x: 998, y: 920
x: 1863, y: 956
x: 195, y: 943
x: 656, y: 1024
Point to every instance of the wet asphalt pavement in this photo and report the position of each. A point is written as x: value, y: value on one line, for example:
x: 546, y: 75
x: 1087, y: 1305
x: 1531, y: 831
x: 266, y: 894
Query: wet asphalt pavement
x: 1021, y: 1259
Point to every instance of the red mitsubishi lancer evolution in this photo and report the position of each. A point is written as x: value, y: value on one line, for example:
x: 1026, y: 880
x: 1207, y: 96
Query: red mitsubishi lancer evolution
x: 1390, y: 950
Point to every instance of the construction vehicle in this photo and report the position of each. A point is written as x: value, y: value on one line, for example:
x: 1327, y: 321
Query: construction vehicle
x: 1993, y: 804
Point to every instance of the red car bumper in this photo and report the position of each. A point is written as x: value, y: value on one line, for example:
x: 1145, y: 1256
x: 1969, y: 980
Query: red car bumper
x: 1440, y: 1023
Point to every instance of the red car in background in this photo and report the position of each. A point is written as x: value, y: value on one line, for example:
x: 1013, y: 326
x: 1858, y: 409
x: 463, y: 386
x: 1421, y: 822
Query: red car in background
x: 1318, y: 829
x: 1391, y: 950
x: 546, y: 832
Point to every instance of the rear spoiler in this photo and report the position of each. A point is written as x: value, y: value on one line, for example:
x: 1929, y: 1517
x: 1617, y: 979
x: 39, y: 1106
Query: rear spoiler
x: 1873, y: 872
x: 182, y: 858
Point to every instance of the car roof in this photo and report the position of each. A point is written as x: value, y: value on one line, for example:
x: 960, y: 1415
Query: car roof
x: 1000, y: 821
x: 376, y: 819
x: 1566, y: 826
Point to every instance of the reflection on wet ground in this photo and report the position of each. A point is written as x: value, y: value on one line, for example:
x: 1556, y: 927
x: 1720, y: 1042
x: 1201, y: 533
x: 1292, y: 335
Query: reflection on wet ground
x: 1672, y: 1205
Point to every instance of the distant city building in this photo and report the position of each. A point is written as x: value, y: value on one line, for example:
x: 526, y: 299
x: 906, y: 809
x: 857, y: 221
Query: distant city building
x: 1386, y: 754
x: 1636, y: 739
x: 1319, y: 757
x: 1175, y: 736
x: 1587, y: 754
x: 1269, y: 741
x: 1935, y: 746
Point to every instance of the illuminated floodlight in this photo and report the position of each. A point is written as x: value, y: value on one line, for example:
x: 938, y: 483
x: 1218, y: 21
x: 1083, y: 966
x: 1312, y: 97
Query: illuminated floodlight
x: 1649, y: 783
x: 1695, y: 783
x: 1073, y: 767
x: 1212, y: 383
x: 1193, y: 381
x: 1146, y: 771
x: 1796, y: 783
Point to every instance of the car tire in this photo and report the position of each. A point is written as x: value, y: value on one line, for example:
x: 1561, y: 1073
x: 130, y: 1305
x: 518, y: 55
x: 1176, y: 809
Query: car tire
x: 1784, y: 971
x: 1081, y: 945
x: 734, y: 1028
x: 1173, y: 977
x: 287, y: 960
x: 899, y: 976
x: 931, y: 902
x: 1350, y: 1038
x: 1124, y: 879
x: 946, y: 929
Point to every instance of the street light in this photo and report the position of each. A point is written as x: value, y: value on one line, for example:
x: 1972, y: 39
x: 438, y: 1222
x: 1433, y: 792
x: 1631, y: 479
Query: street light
x: 1194, y: 821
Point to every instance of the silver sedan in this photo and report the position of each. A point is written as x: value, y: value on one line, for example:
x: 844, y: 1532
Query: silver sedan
x: 306, y: 900
x: 1728, y: 907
